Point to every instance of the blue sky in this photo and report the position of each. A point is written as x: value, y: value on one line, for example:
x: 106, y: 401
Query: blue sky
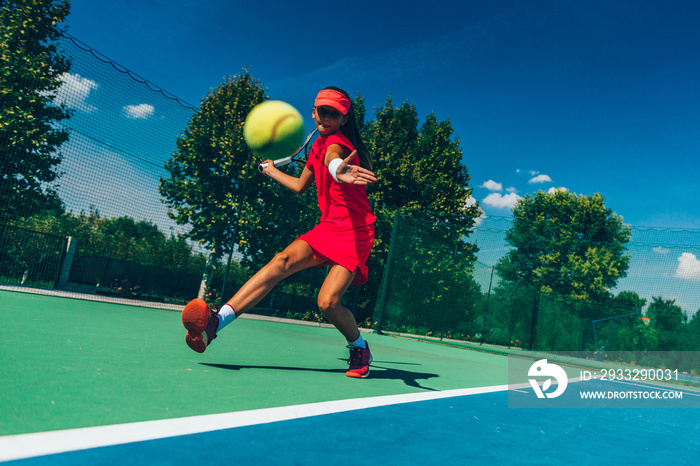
x: 591, y: 96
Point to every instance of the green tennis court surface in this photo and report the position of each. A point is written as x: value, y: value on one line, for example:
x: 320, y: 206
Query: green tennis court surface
x: 68, y: 363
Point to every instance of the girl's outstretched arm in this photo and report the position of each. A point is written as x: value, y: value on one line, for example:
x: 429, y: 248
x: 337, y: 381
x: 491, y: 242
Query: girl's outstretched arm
x: 294, y: 184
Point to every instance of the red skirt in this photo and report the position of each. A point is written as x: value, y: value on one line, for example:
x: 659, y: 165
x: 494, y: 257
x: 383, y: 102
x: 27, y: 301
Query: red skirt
x: 347, y: 247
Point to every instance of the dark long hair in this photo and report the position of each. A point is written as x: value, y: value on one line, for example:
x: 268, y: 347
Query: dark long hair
x: 351, y: 131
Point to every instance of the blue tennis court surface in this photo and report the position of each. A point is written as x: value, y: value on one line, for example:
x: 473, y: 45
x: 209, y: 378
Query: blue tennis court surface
x: 476, y: 428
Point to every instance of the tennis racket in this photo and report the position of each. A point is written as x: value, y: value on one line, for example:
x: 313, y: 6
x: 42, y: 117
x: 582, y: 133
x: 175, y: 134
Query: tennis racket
x: 302, y: 153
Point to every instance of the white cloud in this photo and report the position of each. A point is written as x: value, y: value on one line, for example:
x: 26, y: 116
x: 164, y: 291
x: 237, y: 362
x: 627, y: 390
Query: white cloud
x: 534, y: 173
x: 501, y: 201
x: 688, y: 267
x: 661, y: 250
x: 539, y: 179
x: 140, y: 111
x: 492, y: 186
x: 471, y: 201
x: 512, y: 190
x: 74, y: 91
x: 553, y: 190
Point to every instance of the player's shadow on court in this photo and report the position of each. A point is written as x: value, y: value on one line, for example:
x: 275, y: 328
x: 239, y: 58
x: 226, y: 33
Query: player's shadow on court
x: 410, y: 378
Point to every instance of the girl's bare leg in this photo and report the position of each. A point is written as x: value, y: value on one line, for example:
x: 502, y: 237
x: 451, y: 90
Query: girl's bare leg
x: 297, y: 256
x: 332, y: 291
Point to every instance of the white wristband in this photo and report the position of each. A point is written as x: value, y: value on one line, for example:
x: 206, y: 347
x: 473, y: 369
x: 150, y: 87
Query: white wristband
x: 333, y: 168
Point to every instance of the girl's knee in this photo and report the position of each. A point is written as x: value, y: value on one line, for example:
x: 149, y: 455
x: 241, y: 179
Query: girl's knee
x: 327, y: 303
x: 281, y: 262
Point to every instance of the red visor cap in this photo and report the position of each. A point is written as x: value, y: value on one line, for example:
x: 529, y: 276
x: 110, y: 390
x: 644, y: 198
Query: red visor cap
x: 335, y: 99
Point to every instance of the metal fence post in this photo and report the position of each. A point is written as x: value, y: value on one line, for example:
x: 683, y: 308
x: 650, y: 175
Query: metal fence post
x: 536, y: 303
x: 67, y: 262
x: 486, y: 308
x: 385, y: 277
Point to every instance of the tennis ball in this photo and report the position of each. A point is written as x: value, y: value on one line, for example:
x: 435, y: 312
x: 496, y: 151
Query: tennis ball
x: 274, y: 129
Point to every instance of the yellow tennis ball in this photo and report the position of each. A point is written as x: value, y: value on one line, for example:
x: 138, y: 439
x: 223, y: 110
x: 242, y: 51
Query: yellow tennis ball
x: 274, y: 129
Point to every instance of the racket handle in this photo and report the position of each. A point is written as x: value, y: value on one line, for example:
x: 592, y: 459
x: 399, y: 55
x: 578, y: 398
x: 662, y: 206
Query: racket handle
x: 275, y: 163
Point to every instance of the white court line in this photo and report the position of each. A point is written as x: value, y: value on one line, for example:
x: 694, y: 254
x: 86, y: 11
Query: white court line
x: 22, y: 446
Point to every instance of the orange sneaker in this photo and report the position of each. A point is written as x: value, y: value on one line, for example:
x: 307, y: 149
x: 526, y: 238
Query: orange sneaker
x: 360, y: 359
x: 201, y: 324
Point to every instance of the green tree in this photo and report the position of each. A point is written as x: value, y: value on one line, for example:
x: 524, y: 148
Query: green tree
x: 627, y: 302
x: 215, y: 188
x: 692, y: 335
x: 625, y: 333
x: 674, y: 334
x: 566, y: 244
x: 31, y: 73
x: 665, y: 314
x: 508, y: 316
x: 211, y: 163
x: 694, y: 322
x: 417, y: 169
x: 431, y: 285
x: 420, y: 173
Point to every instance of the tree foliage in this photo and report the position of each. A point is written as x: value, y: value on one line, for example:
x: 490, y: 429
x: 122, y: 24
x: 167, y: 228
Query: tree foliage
x: 215, y: 188
x: 665, y: 314
x: 211, y: 163
x: 431, y: 287
x: 420, y: 173
x: 32, y: 67
x: 567, y: 244
x: 121, y: 238
x: 418, y: 169
x: 628, y: 302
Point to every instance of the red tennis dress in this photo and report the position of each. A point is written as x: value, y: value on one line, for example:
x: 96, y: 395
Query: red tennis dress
x: 346, y: 232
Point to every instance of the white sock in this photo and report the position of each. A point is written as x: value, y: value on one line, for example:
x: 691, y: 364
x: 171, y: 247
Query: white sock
x: 226, y: 316
x: 359, y: 342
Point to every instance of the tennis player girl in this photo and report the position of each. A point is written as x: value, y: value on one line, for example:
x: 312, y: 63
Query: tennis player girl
x: 340, y: 164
